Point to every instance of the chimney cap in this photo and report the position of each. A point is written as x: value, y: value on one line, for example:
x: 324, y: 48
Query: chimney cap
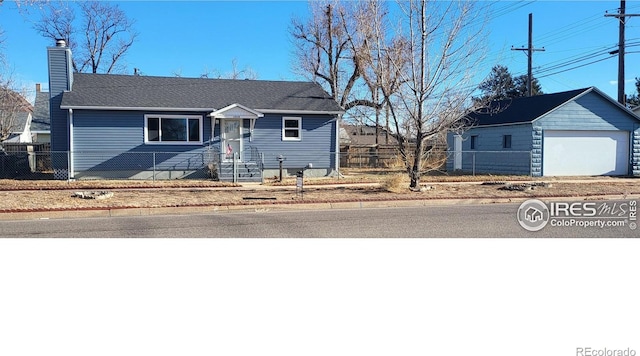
x: 60, y: 42
x: 38, y: 87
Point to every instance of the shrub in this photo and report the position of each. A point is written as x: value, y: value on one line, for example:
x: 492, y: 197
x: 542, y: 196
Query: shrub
x: 394, y: 183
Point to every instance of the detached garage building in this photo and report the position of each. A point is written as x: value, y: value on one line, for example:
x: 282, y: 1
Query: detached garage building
x: 575, y: 133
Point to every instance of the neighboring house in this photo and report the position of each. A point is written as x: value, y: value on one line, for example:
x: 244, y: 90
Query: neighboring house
x: 573, y: 133
x: 40, y: 123
x: 21, y: 132
x: 636, y: 110
x: 15, y: 116
x: 170, y: 127
x: 365, y: 135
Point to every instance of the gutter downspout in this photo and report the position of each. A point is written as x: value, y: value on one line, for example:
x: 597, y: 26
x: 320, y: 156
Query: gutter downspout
x: 337, y: 148
x: 71, y: 165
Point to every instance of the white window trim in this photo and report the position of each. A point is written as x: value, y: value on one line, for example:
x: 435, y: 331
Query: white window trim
x: 297, y: 118
x: 153, y: 116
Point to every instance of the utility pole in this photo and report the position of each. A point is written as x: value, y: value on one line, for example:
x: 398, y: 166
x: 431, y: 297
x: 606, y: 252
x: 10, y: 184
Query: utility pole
x: 530, y: 51
x: 621, y: 15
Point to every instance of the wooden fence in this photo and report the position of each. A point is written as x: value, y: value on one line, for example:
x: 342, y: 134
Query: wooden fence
x: 381, y: 156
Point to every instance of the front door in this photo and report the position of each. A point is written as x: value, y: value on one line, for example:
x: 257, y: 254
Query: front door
x: 232, y: 139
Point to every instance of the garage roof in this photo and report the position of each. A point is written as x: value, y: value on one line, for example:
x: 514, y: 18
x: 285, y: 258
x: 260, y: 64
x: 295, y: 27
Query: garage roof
x: 525, y: 109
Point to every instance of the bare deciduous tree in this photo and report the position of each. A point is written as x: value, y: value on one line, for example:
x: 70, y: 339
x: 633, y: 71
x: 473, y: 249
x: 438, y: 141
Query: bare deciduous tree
x: 11, y: 101
x: 235, y: 73
x: 418, y: 65
x: 99, y: 38
x: 326, y: 48
x: 446, y: 42
x: 378, y: 48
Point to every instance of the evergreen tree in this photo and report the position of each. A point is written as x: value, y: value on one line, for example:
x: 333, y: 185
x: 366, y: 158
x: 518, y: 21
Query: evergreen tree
x: 499, y: 85
x: 520, y: 87
x: 634, y: 100
x: 502, y: 85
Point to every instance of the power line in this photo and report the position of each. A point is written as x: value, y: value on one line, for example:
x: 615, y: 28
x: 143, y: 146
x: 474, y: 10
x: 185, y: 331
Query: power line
x: 572, y: 68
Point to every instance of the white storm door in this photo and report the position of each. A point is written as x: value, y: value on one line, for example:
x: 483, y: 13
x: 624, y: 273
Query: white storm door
x: 232, y: 139
x: 579, y: 153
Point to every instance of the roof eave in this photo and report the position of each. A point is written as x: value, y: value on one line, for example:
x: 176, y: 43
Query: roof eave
x: 302, y: 112
x: 505, y: 124
x: 132, y: 108
x: 147, y: 108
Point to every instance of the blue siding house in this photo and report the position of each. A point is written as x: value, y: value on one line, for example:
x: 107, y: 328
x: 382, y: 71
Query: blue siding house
x: 574, y: 133
x: 129, y: 126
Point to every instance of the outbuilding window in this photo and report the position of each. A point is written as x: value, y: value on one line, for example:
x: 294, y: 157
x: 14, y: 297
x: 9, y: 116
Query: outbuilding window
x: 291, y: 128
x: 506, y: 141
x: 474, y: 141
x: 173, y: 129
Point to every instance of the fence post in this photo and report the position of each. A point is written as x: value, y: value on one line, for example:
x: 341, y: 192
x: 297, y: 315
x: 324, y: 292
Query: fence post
x: 235, y: 167
x: 154, y: 166
x: 69, y: 166
x: 261, y: 167
x: 473, y: 163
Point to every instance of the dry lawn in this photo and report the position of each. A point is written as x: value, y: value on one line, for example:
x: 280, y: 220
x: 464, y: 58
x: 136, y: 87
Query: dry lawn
x: 33, y: 195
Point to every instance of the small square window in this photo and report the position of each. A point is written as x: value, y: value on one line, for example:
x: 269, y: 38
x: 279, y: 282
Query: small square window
x: 506, y: 141
x: 291, y: 128
x: 474, y: 141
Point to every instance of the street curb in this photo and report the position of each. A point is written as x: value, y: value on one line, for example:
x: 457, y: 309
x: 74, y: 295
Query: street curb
x: 259, y: 208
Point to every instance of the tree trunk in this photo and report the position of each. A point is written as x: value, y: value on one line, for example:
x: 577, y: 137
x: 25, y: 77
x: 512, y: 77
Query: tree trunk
x: 417, y: 165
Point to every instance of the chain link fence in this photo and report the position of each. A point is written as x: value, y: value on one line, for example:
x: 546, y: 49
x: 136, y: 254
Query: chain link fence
x: 108, y: 165
x: 490, y: 162
x: 463, y: 162
x: 211, y: 164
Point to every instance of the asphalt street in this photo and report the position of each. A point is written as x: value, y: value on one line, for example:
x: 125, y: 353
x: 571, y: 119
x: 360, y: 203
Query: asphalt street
x: 454, y: 221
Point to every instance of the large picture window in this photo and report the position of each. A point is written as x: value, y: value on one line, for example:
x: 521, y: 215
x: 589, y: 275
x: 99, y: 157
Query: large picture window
x: 172, y: 129
x: 291, y: 128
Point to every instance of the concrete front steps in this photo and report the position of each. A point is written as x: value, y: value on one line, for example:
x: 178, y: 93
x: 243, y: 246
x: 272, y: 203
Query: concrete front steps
x: 247, y: 172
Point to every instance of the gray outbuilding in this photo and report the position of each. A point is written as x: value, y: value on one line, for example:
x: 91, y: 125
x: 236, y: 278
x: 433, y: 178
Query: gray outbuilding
x: 581, y: 132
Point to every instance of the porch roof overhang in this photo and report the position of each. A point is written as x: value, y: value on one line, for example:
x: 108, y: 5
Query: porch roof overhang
x: 236, y: 111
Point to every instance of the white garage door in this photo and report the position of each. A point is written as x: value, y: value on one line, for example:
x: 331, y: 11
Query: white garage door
x: 574, y: 153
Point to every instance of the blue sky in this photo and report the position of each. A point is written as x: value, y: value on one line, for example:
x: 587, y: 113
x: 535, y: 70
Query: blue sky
x: 194, y: 37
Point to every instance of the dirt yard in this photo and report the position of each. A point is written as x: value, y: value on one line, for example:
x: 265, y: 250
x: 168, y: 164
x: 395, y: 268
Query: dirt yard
x: 34, y: 195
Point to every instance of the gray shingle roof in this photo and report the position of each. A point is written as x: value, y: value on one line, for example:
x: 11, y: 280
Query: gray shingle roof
x: 127, y: 91
x: 20, y: 120
x: 41, y: 120
x: 521, y: 110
